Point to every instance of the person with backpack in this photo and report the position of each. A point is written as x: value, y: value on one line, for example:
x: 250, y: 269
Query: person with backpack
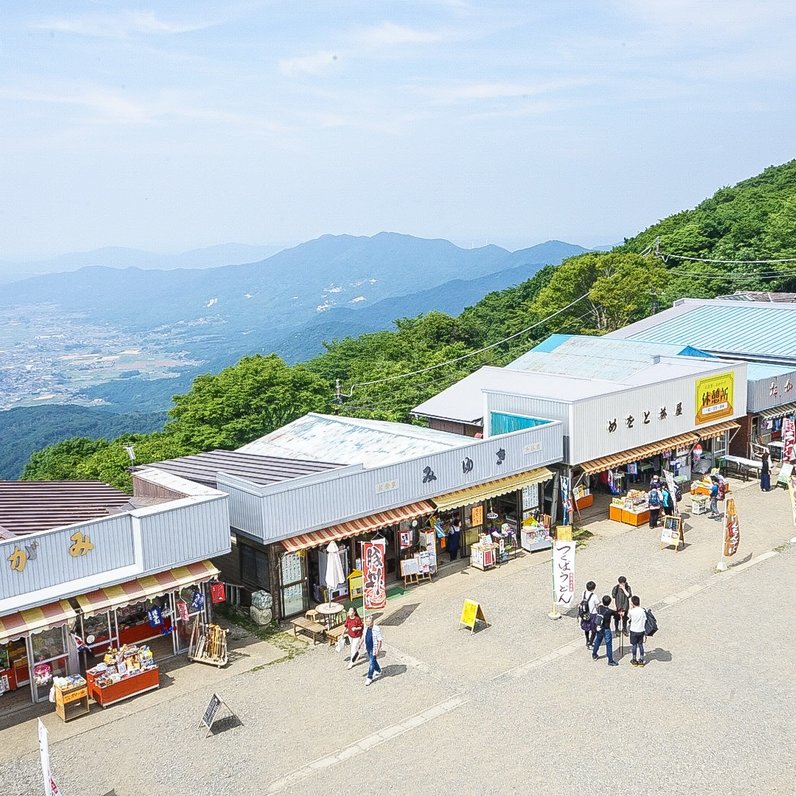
x: 621, y: 594
x: 666, y: 501
x: 654, y: 500
x: 638, y: 619
x: 586, y: 612
x: 602, y: 627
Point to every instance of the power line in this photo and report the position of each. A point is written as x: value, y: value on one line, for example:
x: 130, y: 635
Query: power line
x: 457, y: 359
x: 666, y: 256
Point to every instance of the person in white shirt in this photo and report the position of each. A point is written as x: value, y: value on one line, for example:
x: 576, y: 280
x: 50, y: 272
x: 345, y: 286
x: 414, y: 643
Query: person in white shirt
x: 637, y: 618
x: 587, y: 622
x: 372, y: 642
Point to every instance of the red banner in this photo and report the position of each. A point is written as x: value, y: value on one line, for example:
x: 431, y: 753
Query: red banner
x: 374, y: 575
x: 788, y: 439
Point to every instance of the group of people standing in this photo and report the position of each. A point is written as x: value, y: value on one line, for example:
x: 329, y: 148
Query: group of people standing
x: 596, y: 616
x: 659, y: 498
x: 365, y: 635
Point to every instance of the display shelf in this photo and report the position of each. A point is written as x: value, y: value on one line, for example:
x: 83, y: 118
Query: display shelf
x: 130, y: 685
x: 72, y: 701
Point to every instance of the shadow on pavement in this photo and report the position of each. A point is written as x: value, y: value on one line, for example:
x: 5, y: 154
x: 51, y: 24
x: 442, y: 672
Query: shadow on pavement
x: 393, y: 670
x: 664, y: 656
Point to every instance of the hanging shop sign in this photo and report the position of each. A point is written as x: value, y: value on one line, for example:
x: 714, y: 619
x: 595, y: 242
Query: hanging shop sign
x: 714, y: 398
x: 405, y: 538
x: 374, y: 588
x: 788, y: 439
x: 732, y: 528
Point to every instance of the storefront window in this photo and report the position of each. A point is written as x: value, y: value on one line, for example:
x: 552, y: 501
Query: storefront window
x: 48, y: 644
x: 294, y: 597
x: 254, y: 567
x: 97, y: 630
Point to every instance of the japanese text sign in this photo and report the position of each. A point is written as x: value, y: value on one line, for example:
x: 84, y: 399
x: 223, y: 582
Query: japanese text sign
x: 374, y: 575
x: 714, y: 398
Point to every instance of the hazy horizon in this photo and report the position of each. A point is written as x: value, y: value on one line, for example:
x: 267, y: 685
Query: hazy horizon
x: 172, y: 127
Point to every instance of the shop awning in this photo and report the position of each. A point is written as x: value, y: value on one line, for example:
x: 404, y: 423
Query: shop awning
x: 136, y: 591
x: 654, y: 448
x: 778, y: 411
x: 716, y: 431
x: 370, y: 524
x: 475, y: 494
x: 34, y: 620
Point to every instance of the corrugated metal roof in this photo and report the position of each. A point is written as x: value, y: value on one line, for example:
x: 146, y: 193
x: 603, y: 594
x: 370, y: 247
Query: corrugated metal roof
x: 603, y: 347
x: 762, y: 370
x: 204, y: 467
x: 352, y: 440
x: 29, y: 506
x: 759, y: 330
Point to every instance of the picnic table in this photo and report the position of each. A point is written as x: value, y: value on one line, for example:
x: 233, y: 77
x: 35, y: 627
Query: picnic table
x: 313, y: 629
x: 740, y: 466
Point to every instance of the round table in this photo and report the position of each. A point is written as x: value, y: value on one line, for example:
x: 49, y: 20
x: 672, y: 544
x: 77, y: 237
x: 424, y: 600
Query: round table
x: 328, y: 611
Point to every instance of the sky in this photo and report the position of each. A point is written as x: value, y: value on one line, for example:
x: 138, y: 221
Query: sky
x: 175, y: 125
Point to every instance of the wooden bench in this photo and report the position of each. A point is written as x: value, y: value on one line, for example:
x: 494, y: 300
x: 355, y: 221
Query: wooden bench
x: 312, y: 628
x: 333, y: 634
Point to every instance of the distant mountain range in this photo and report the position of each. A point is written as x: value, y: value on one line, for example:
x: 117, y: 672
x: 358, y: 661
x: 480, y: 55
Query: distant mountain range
x: 331, y: 287
x: 120, y: 257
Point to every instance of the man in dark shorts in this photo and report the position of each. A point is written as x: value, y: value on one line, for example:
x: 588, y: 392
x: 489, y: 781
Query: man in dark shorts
x: 603, y: 627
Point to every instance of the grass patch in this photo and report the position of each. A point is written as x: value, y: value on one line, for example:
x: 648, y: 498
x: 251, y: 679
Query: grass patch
x: 581, y: 536
x: 281, y: 639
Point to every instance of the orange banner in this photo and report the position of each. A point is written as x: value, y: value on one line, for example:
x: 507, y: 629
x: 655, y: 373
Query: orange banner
x: 732, y: 528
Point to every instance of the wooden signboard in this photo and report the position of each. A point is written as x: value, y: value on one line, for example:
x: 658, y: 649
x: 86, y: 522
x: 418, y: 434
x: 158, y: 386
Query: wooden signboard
x: 477, y: 516
x: 672, y: 534
x: 472, y: 613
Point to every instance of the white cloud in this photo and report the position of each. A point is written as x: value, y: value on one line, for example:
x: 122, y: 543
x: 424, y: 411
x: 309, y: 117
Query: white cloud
x: 388, y: 34
x: 121, y: 26
x: 314, y: 64
x: 500, y: 90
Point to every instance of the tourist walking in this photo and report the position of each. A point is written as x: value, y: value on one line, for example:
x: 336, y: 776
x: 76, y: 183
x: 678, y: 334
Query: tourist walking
x: 373, y: 641
x: 638, y: 620
x: 353, y: 629
x: 602, y: 626
x: 765, y: 472
x: 621, y: 594
x: 586, y: 612
x: 713, y: 514
x: 654, y: 500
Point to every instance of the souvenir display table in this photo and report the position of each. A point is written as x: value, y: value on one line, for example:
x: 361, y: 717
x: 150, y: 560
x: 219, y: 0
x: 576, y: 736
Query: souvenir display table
x: 71, y: 697
x: 483, y: 555
x: 124, y: 673
x: 631, y: 510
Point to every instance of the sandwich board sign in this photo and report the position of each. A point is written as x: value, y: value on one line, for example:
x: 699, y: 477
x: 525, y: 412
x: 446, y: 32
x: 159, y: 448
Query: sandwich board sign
x: 472, y: 613
x: 672, y: 533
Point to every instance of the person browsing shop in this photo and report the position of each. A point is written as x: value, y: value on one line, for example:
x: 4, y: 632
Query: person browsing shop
x: 654, y: 501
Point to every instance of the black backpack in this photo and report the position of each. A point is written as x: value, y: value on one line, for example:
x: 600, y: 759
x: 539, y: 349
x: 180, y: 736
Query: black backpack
x: 598, y: 620
x: 678, y: 493
x: 650, y: 624
x: 583, y: 608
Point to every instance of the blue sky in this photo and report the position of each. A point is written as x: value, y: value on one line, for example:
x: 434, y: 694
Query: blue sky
x: 178, y: 125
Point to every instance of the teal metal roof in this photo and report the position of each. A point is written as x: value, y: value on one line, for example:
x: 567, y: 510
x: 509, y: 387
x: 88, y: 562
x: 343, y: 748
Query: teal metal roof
x: 731, y: 328
x: 761, y: 370
x: 588, y: 356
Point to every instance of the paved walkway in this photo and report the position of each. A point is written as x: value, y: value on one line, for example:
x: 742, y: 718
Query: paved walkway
x: 501, y: 709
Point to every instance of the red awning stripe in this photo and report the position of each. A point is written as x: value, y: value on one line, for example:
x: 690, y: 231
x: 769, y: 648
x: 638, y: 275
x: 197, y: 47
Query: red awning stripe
x: 35, y: 620
x: 370, y: 524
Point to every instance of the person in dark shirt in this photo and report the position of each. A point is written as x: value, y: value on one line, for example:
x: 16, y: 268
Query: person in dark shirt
x: 603, y: 627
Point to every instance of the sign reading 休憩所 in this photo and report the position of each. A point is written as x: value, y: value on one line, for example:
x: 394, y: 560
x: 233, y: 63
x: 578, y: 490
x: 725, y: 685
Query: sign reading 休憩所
x: 714, y: 398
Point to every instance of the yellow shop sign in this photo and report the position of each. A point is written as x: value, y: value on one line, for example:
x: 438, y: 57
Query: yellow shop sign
x: 714, y: 397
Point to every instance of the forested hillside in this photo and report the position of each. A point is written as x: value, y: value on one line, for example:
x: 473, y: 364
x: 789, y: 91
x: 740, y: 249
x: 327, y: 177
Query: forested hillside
x: 385, y: 374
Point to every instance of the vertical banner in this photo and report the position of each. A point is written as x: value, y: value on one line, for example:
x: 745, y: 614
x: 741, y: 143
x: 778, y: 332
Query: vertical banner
x: 44, y: 755
x: 564, y: 567
x: 788, y: 439
x: 732, y: 528
x: 566, y: 507
x: 374, y: 574
x: 672, y: 490
x: 792, y: 490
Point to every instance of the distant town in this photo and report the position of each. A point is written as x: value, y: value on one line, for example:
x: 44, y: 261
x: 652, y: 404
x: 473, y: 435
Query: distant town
x: 47, y: 356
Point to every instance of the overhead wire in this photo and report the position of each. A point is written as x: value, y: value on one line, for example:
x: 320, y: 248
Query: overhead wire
x: 463, y: 356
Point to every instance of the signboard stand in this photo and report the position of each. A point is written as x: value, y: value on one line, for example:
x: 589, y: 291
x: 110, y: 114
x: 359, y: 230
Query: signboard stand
x: 210, y: 713
x: 672, y: 533
x: 472, y: 613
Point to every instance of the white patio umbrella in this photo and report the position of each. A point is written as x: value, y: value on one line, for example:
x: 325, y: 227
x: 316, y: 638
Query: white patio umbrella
x: 334, y: 568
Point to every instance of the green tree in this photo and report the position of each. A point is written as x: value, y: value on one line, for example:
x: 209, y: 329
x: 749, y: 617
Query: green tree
x: 245, y: 401
x: 61, y: 461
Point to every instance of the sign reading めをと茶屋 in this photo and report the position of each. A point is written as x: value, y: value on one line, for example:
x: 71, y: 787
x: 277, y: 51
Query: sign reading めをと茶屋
x: 714, y: 397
